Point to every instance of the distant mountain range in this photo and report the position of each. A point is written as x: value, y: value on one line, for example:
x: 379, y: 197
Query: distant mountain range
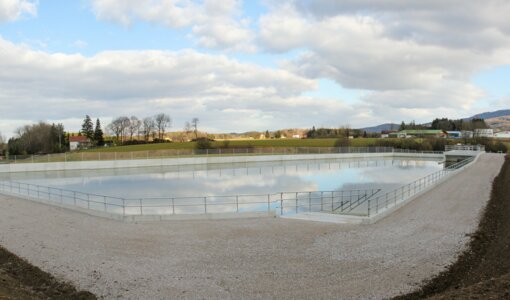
x: 499, y: 120
x: 382, y: 127
x: 490, y: 115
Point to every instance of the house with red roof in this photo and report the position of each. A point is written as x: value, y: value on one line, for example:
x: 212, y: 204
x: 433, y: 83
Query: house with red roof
x: 78, y: 142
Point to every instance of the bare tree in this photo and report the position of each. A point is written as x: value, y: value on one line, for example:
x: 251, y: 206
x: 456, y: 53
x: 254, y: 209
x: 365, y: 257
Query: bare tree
x: 162, y: 122
x: 194, y: 124
x: 118, y: 127
x: 148, y: 127
x: 134, y: 126
x: 187, y: 129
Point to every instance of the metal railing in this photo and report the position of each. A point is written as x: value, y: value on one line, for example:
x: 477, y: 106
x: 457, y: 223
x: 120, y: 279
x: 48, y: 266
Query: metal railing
x: 477, y: 148
x: 341, y: 201
x: 387, y: 200
x: 367, y: 202
x: 183, y: 153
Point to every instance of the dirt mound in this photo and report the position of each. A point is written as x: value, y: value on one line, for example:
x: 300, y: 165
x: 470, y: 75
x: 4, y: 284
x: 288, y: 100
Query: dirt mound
x: 20, y: 280
x: 483, y: 270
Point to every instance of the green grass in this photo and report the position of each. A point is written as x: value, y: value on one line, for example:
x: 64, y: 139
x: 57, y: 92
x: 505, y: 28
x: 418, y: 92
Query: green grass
x: 360, y: 142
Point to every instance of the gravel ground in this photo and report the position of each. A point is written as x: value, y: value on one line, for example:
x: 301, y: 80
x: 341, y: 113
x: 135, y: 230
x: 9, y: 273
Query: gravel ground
x: 252, y: 258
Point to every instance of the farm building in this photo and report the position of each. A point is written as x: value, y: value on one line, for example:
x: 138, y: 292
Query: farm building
x: 419, y: 133
x: 454, y: 134
x: 78, y: 142
x: 484, y: 132
x: 467, y: 134
x: 502, y: 135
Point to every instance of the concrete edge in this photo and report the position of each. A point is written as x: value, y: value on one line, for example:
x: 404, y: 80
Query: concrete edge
x: 158, y: 162
x: 318, y: 217
x: 211, y: 216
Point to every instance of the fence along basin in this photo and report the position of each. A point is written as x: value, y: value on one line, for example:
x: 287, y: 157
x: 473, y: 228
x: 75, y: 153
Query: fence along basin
x: 335, y: 185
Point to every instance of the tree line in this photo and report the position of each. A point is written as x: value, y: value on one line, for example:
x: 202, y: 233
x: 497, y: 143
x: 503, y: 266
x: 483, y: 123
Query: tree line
x: 40, y: 138
x: 447, y: 125
x: 133, y: 130
x: 3, y: 145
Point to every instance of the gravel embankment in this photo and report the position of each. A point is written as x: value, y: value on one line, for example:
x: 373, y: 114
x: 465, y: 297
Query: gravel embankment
x: 252, y: 258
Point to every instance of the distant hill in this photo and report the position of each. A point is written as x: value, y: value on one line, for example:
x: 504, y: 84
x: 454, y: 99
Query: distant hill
x: 379, y: 128
x: 498, y: 120
x: 493, y: 114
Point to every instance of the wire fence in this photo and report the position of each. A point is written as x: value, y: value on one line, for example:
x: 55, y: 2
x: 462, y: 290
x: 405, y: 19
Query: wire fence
x: 367, y: 202
x: 186, y: 153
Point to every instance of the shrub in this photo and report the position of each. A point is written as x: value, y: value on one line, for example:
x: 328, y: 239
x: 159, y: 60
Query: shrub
x: 342, y: 141
x: 203, y: 143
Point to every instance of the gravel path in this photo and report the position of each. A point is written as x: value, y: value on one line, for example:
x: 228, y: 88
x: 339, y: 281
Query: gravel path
x: 252, y: 258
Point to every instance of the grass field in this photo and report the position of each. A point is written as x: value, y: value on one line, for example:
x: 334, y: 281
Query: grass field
x: 360, y: 142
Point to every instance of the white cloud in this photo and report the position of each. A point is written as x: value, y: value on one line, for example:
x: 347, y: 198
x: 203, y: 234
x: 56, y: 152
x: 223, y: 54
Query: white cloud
x: 11, y: 10
x: 224, y: 93
x: 410, y: 56
x: 214, y: 24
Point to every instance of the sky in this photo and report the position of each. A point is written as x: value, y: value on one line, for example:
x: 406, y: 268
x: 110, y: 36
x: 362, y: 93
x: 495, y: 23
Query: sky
x: 252, y: 65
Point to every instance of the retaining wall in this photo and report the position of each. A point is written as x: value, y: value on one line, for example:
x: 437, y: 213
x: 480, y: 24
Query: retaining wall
x: 158, y: 162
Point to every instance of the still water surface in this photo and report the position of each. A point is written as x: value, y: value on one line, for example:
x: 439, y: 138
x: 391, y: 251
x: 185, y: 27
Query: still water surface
x: 233, y: 179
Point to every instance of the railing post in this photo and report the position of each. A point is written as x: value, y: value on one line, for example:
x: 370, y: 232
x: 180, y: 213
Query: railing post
x: 281, y: 204
x: 268, y: 203
x: 309, y: 201
x: 104, y: 201
x: 205, y: 204
x: 123, y: 207
x: 141, y: 207
x: 237, y: 203
x: 297, y: 204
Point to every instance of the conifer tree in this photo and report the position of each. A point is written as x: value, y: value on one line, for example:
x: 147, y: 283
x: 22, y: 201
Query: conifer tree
x: 87, y: 128
x: 98, y: 134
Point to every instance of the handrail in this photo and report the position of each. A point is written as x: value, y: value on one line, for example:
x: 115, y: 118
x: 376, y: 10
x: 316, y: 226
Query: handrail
x: 477, y: 148
x: 363, y: 202
x: 282, y: 202
x: 399, y: 195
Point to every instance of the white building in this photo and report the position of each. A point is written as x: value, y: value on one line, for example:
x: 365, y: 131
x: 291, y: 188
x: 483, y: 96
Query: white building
x: 467, y: 134
x: 78, y: 142
x: 502, y: 135
x: 484, y: 132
